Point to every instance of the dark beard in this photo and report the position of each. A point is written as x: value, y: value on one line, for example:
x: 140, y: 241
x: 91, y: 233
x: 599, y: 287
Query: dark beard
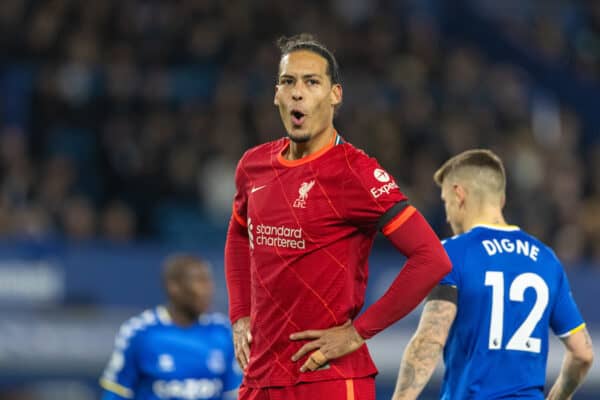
x: 302, y: 139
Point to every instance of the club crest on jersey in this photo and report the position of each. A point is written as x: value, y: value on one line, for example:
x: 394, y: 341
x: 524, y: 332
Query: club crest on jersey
x: 300, y: 202
x: 216, y: 362
x: 166, y: 363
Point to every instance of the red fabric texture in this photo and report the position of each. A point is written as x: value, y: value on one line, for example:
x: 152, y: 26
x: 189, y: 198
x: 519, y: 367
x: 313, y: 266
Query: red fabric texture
x: 426, y: 265
x: 302, y: 261
x: 351, y: 389
x: 237, y: 270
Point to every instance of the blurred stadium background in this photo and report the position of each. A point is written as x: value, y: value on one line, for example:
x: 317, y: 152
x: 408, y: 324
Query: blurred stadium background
x: 121, y: 123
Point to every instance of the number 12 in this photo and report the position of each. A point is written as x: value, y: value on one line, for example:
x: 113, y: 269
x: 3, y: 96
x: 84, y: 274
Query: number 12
x: 521, y: 339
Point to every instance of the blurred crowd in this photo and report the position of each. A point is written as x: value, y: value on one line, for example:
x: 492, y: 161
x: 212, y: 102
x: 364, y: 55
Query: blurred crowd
x: 562, y: 31
x: 122, y: 120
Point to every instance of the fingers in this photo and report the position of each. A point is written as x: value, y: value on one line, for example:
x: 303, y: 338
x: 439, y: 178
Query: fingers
x: 309, y: 334
x: 241, y: 340
x: 242, y: 349
x: 310, y: 346
x: 316, y: 360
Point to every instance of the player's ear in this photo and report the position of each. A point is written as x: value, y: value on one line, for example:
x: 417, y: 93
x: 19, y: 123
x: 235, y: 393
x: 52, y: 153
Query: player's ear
x: 275, y: 99
x: 460, y: 193
x: 172, y: 288
x: 336, y: 94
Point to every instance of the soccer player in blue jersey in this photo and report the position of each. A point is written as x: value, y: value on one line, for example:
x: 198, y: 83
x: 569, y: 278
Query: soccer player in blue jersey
x: 491, y: 314
x: 177, y: 351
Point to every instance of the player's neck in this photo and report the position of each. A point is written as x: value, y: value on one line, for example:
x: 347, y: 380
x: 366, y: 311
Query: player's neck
x: 490, y: 216
x: 180, y: 317
x: 297, y: 151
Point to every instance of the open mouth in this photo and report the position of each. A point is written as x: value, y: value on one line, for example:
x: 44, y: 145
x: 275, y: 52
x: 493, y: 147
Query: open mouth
x: 297, y: 117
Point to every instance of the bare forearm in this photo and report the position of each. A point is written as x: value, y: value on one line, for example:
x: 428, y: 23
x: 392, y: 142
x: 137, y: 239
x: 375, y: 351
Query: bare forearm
x: 577, y: 362
x: 423, y: 351
x: 571, y: 376
x: 419, y: 361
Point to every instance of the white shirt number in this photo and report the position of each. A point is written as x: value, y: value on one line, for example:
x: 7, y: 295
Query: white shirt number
x: 521, y: 339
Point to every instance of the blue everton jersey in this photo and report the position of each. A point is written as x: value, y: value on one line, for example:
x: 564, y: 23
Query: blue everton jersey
x: 511, y: 290
x: 155, y: 359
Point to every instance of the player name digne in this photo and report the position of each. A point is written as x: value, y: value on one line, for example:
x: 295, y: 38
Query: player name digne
x: 518, y: 246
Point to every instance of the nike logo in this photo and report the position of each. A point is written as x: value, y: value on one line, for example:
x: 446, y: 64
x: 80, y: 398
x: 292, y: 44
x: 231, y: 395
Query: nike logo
x: 257, y: 188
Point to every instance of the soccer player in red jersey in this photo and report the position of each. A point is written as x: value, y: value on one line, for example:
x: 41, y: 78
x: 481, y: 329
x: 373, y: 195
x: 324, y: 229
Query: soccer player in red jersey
x: 305, y: 215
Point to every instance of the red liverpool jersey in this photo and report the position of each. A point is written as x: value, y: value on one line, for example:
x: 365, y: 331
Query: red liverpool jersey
x: 311, y: 224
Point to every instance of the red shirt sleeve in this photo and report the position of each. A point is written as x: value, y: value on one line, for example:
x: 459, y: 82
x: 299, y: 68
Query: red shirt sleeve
x: 237, y: 252
x: 426, y: 265
x: 369, y: 191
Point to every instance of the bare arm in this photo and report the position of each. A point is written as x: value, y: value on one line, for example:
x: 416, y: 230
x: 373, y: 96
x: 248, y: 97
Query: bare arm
x: 423, y: 351
x: 576, y: 364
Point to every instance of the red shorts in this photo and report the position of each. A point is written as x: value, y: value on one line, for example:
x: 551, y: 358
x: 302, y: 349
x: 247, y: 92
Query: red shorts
x: 348, y: 389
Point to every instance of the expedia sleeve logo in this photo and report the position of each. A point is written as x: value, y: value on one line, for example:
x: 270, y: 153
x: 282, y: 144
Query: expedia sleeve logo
x: 383, y: 177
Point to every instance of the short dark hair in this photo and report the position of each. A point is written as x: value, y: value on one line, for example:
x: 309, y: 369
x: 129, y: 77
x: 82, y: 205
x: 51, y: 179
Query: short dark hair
x: 306, y: 41
x: 174, y: 266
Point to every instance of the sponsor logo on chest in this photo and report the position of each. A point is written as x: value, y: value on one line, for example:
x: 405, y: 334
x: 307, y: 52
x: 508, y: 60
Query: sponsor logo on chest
x: 188, y: 389
x: 275, y: 236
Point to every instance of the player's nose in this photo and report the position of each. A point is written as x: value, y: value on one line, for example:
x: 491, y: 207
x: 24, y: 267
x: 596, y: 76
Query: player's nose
x: 297, y: 92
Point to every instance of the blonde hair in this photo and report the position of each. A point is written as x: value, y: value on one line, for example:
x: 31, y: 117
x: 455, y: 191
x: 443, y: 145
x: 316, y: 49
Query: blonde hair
x: 479, y: 169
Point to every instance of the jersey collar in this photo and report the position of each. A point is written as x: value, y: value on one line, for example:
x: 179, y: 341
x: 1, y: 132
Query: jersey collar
x: 163, y: 315
x: 507, y: 228
x: 335, y: 140
x: 165, y: 318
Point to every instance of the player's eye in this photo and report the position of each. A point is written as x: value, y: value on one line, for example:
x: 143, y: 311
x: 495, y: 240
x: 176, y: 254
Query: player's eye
x: 286, y: 81
x: 312, y: 82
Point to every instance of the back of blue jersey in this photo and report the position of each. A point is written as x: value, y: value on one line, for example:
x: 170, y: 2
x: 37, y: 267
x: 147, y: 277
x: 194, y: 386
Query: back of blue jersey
x: 511, y: 290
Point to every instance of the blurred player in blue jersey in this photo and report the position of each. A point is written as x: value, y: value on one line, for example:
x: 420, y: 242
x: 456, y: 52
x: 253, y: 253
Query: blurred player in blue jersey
x: 177, y: 351
x: 491, y: 315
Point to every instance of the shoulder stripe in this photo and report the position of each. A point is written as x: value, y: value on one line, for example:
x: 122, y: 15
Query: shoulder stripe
x: 399, y: 220
x: 132, y: 326
x: 116, y: 388
x: 237, y: 217
x: 572, y: 331
x: 392, y: 213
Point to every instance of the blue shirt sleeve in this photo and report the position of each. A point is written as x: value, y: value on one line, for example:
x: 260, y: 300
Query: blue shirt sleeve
x: 455, y: 255
x: 565, y: 316
x: 121, y: 375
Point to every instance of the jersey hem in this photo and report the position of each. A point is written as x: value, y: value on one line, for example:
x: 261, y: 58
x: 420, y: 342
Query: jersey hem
x: 116, y: 388
x: 282, y: 383
x: 572, y: 331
